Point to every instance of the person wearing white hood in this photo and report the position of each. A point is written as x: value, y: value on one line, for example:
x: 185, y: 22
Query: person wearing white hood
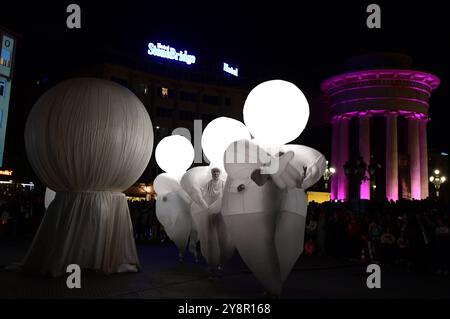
x: 214, y: 240
x: 205, y: 185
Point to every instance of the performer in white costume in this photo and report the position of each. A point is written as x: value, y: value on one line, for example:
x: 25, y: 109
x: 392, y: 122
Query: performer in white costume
x: 264, y: 204
x: 205, y: 185
x: 215, y: 244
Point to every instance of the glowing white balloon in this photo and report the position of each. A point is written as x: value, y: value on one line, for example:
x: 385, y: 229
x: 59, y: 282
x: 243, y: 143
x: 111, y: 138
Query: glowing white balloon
x: 276, y: 112
x: 174, y: 154
x: 218, y: 135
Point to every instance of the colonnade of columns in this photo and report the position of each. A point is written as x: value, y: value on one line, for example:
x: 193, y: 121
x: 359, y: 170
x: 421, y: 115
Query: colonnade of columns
x: 417, y: 150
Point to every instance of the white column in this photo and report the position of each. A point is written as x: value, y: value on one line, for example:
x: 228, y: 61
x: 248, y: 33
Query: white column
x: 364, y: 150
x: 335, y: 160
x: 423, y: 157
x: 414, y: 157
x: 391, y: 156
x: 343, y: 158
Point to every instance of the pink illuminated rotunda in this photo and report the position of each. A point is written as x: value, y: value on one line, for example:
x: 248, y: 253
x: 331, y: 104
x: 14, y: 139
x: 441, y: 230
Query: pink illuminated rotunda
x: 381, y: 113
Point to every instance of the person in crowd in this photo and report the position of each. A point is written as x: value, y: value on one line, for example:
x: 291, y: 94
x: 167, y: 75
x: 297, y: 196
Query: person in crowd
x: 387, y: 246
x: 442, y: 246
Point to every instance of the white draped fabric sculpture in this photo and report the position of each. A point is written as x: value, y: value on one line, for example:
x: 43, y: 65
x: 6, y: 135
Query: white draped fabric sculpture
x: 264, y: 204
x: 89, y: 140
x: 205, y: 185
x: 175, y: 154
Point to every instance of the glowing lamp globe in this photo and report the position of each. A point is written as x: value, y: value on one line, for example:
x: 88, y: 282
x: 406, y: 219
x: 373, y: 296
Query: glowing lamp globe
x: 174, y: 154
x: 276, y: 112
x: 218, y: 135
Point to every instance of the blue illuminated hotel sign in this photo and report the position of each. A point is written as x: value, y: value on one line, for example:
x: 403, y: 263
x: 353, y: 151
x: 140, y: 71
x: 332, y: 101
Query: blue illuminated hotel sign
x: 229, y: 69
x: 167, y: 52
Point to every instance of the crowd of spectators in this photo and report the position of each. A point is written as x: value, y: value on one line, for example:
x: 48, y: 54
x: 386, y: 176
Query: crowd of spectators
x: 21, y: 211
x: 412, y: 234
x: 145, y: 224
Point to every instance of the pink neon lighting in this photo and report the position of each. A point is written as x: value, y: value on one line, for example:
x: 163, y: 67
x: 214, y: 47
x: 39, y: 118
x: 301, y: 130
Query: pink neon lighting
x: 416, y: 115
x: 427, y: 79
x: 381, y: 98
x: 353, y: 88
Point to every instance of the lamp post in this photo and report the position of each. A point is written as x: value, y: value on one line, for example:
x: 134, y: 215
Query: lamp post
x: 147, y: 189
x: 373, y: 166
x: 437, y: 180
x: 329, y: 171
x: 356, y: 173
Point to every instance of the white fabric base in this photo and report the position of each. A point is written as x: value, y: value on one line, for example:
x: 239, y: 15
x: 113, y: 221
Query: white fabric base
x: 90, y: 229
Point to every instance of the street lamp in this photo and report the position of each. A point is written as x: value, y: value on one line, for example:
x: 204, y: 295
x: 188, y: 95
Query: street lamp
x: 147, y: 190
x: 356, y: 173
x: 373, y: 167
x: 329, y: 171
x: 437, y: 180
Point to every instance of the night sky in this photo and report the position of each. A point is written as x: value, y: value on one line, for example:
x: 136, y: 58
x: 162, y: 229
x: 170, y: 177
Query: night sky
x: 302, y: 43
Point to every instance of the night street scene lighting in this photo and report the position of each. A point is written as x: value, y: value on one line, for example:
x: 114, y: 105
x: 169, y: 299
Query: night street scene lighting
x: 224, y: 160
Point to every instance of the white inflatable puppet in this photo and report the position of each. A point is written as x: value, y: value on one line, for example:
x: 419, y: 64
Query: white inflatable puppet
x: 264, y: 203
x: 174, y: 154
x: 205, y: 185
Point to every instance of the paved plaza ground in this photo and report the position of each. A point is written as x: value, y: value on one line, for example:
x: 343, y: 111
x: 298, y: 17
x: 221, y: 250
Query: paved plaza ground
x: 163, y: 276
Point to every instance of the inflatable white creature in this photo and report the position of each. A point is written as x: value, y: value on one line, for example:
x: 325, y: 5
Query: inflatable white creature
x: 205, y: 185
x: 264, y: 203
x: 174, y: 154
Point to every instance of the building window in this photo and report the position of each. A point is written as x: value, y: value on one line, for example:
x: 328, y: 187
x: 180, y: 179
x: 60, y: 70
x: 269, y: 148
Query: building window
x: 165, y: 92
x: 2, y: 88
x: 211, y: 99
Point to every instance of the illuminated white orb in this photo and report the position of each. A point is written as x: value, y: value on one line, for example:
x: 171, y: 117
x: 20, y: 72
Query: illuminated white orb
x: 174, y: 154
x: 218, y: 135
x: 276, y: 112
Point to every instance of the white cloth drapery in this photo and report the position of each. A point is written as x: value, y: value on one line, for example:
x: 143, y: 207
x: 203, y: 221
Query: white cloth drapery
x: 89, y: 140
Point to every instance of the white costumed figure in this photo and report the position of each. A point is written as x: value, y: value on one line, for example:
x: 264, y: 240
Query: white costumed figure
x: 264, y: 203
x: 174, y: 154
x: 205, y: 185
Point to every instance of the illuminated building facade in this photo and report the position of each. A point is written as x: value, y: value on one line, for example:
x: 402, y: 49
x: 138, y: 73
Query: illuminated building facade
x: 381, y: 115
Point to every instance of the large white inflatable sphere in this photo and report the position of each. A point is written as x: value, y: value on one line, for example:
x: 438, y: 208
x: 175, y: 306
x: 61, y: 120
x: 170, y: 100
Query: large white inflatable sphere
x: 220, y: 133
x: 276, y: 112
x: 174, y: 154
x: 89, y: 134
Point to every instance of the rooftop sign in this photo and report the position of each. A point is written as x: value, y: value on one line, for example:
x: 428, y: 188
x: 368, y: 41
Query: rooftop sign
x: 167, y: 52
x: 229, y: 69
